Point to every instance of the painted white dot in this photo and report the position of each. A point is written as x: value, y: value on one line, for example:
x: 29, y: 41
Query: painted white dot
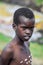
x: 26, y: 62
x: 29, y: 56
x: 25, y: 59
x: 21, y: 61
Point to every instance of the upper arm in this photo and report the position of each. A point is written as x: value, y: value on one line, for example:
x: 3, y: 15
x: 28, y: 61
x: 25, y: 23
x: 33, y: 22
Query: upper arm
x: 6, y: 56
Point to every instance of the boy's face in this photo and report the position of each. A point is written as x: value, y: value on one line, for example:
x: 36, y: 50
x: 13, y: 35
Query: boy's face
x: 25, y: 28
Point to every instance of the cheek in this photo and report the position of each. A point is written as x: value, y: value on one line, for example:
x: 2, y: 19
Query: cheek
x: 21, y: 32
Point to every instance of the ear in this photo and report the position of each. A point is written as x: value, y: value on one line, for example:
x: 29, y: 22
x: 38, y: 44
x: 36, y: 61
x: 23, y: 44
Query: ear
x: 14, y: 26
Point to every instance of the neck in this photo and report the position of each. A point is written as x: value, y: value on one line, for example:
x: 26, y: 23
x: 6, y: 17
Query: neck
x: 18, y: 40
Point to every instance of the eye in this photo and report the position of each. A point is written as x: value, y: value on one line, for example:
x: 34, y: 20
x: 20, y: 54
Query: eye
x: 24, y: 28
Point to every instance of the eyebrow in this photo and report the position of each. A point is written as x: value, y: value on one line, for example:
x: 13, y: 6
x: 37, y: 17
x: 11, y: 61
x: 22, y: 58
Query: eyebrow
x: 23, y: 26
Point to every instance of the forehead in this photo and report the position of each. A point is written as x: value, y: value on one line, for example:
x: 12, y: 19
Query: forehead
x: 26, y: 21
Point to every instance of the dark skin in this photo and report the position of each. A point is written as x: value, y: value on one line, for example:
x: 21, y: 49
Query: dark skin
x: 17, y: 51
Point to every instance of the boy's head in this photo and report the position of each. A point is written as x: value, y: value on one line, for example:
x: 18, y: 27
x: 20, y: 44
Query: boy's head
x: 23, y: 23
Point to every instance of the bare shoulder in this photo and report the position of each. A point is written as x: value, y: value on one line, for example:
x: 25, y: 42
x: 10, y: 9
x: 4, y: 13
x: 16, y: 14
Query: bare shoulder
x: 7, y: 54
x: 7, y: 51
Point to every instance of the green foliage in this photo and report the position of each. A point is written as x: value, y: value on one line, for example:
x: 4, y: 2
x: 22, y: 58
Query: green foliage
x: 37, y: 50
x: 39, y: 2
x: 4, y: 40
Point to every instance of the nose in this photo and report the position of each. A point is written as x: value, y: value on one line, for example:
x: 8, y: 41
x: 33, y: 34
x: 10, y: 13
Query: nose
x: 27, y: 31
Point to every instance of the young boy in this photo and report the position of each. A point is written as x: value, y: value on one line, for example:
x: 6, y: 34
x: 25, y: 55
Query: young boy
x: 17, y: 51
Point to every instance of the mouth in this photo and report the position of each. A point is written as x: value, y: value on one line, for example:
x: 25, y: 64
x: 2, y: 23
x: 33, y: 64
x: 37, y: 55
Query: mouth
x: 27, y: 37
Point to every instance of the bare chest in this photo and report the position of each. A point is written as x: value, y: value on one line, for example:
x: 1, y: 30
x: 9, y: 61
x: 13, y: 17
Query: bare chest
x: 22, y: 56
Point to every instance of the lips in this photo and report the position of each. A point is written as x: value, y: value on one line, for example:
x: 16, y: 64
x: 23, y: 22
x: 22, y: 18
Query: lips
x: 27, y: 37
